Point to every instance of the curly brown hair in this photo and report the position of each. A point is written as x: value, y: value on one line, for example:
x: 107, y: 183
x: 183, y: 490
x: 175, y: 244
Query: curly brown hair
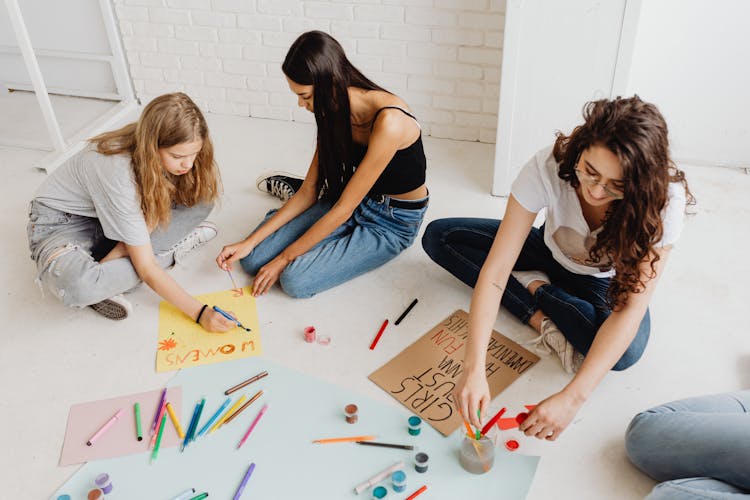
x: 166, y: 121
x: 636, y: 132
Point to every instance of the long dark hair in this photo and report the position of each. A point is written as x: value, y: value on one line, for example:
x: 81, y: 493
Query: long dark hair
x: 316, y: 58
x: 636, y: 132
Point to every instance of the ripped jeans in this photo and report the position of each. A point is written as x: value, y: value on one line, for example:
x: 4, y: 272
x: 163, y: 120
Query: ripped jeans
x: 67, y: 249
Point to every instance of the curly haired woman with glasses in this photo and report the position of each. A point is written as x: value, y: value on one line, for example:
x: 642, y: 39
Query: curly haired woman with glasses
x: 614, y: 205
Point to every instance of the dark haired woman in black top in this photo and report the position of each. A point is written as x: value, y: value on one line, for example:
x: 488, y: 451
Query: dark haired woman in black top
x: 364, y: 196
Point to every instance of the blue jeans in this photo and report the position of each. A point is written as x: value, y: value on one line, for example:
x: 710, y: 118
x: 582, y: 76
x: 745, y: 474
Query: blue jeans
x: 67, y: 249
x: 699, y: 446
x: 373, y: 235
x: 575, y: 303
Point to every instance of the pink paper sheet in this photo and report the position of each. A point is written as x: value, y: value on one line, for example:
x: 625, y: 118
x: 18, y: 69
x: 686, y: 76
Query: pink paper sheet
x: 85, y: 419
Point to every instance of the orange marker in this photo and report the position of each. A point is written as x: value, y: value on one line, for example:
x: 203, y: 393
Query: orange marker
x: 345, y: 439
x: 417, y: 493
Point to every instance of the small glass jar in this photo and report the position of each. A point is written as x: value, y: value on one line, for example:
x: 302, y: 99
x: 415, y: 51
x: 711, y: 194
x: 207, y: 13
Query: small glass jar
x: 477, y: 455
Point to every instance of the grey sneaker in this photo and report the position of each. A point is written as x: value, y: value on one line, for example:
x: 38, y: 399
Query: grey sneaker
x: 552, y: 339
x: 117, y: 307
x: 282, y: 185
x: 202, y: 234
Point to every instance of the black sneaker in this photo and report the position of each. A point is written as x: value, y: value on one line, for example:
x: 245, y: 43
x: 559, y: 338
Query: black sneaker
x: 282, y: 185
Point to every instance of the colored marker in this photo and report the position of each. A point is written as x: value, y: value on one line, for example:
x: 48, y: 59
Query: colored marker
x: 345, y: 439
x: 252, y: 426
x: 403, y: 314
x: 232, y: 278
x: 109, y: 423
x: 245, y: 383
x: 159, y: 434
x: 379, y: 477
x: 200, y: 497
x: 469, y: 432
x: 479, y: 417
x: 190, y: 436
x: 185, y: 495
x: 417, y: 493
x: 138, y: 430
x: 241, y: 408
x: 387, y: 445
x: 175, y: 421
x: 227, y: 413
x: 244, y: 481
x: 157, y: 415
x: 230, y: 317
x: 162, y: 413
x: 492, y: 421
x: 377, y: 337
x: 214, y: 417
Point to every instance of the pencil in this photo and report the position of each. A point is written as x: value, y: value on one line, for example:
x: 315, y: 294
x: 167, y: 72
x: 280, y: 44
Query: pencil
x: 175, y: 421
x: 387, y: 445
x: 244, y: 481
x: 252, y: 425
x: 345, y: 439
x: 245, y: 383
x: 227, y: 413
x: 403, y: 314
x: 241, y: 408
x: 417, y: 493
x: 159, y: 434
x: 138, y: 430
x: 377, y: 337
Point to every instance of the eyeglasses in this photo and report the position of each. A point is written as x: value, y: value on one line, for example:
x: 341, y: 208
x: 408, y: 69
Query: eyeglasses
x: 592, y: 181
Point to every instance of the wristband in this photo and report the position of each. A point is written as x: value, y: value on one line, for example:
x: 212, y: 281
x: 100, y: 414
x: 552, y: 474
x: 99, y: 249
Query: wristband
x: 198, y: 319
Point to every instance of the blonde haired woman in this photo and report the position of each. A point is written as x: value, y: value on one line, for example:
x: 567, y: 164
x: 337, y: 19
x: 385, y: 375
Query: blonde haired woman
x: 129, y: 205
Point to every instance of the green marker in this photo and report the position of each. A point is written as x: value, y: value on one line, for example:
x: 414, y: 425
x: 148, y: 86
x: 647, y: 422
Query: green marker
x: 479, y: 416
x: 158, y: 437
x: 138, y: 430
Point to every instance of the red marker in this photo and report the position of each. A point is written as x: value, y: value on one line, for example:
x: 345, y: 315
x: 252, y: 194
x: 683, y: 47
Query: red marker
x: 492, y: 421
x: 377, y: 337
x: 417, y: 493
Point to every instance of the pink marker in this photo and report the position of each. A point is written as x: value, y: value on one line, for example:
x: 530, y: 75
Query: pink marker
x: 252, y: 426
x: 155, y: 435
x: 104, y: 427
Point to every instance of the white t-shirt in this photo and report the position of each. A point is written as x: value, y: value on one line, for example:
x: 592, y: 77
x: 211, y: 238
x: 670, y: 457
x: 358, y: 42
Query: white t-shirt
x: 566, y: 233
x: 100, y: 186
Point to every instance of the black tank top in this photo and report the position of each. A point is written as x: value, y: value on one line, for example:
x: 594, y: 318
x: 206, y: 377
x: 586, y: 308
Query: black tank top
x: 405, y: 172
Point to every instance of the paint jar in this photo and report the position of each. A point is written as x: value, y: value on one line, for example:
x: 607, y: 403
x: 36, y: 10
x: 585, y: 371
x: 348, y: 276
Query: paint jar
x: 309, y: 334
x: 351, y: 414
x: 379, y: 492
x: 102, y: 481
x: 477, y: 455
x: 324, y: 339
x: 398, y: 479
x: 420, y: 462
x: 415, y: 424
x: 95, y: 494
x: 64, y: 497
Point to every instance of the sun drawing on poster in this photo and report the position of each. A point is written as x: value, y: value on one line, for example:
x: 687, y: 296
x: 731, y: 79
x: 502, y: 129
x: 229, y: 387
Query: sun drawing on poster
x: 167, y: 344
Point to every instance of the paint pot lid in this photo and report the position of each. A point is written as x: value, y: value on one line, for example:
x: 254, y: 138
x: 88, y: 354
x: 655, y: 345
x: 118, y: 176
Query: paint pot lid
x: 511, y: 445
x: 95, y: 494
x: 421, y: 457
x: 414, y: 420
x: 379, y: 492
x: 64, y: 497
x: 521, y: 417
x: 351, y: 409
x: 102, y: 479
x: 309, y: 329
x: 324, y: 339
x: 398, y: 477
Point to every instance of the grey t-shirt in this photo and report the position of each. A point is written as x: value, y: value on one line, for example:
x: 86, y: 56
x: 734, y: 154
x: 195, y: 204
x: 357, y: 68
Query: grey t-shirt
x: 100, y: 186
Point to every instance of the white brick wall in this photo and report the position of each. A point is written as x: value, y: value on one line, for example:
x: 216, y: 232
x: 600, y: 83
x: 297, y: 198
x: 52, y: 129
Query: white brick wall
x: 441, y: 56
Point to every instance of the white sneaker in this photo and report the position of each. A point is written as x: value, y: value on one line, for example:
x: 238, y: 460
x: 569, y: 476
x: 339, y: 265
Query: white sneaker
x: 526, y: 277
x: 116, y: 307
x: 202, y: 234
x: 282, y: 185
x: 552, y: 339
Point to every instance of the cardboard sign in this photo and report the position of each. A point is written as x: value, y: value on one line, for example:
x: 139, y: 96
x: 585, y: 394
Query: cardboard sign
x: 422, y: 377
x: 183, y: 343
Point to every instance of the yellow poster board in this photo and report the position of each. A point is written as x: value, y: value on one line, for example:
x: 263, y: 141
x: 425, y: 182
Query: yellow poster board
x: 182, y: 342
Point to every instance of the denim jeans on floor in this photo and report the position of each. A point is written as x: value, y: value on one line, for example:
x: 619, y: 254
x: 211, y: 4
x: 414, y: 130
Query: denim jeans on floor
x: 576, y: 303
x: 373, y: 235
x: 75, y: 276
x: 700, y: 446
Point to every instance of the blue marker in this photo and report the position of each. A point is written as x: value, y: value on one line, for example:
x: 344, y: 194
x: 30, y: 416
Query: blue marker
x: 214, y: 417
x: 230, y: 318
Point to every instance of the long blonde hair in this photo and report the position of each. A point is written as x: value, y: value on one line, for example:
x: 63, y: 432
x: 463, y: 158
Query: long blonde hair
x: 168, y: 120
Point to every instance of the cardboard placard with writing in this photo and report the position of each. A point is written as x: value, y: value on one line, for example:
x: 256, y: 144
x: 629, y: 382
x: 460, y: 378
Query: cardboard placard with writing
x: 422, y: 377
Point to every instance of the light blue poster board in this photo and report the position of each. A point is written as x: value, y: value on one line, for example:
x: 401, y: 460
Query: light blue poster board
x: 288, y: 465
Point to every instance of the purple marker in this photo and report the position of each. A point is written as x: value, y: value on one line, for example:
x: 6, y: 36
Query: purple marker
x: 244, y: 481
x: 158, y: 410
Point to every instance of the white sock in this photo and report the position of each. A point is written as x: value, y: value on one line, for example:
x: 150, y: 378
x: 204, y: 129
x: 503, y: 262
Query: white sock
x: 526, y: 277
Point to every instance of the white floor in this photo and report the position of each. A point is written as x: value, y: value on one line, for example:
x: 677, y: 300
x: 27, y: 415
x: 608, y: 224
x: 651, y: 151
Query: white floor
x: 52, y: 357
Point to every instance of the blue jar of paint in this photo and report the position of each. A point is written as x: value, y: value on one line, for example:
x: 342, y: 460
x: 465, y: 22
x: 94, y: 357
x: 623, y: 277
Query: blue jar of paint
x: 398, y: 479
x: 415, y: 424
x: 379, y: 492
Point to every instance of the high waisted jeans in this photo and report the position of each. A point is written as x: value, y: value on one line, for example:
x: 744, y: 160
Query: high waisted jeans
x: 67, y: 248
x: 699, y: 446
x: 373, y: 235
x: 575, y: 303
